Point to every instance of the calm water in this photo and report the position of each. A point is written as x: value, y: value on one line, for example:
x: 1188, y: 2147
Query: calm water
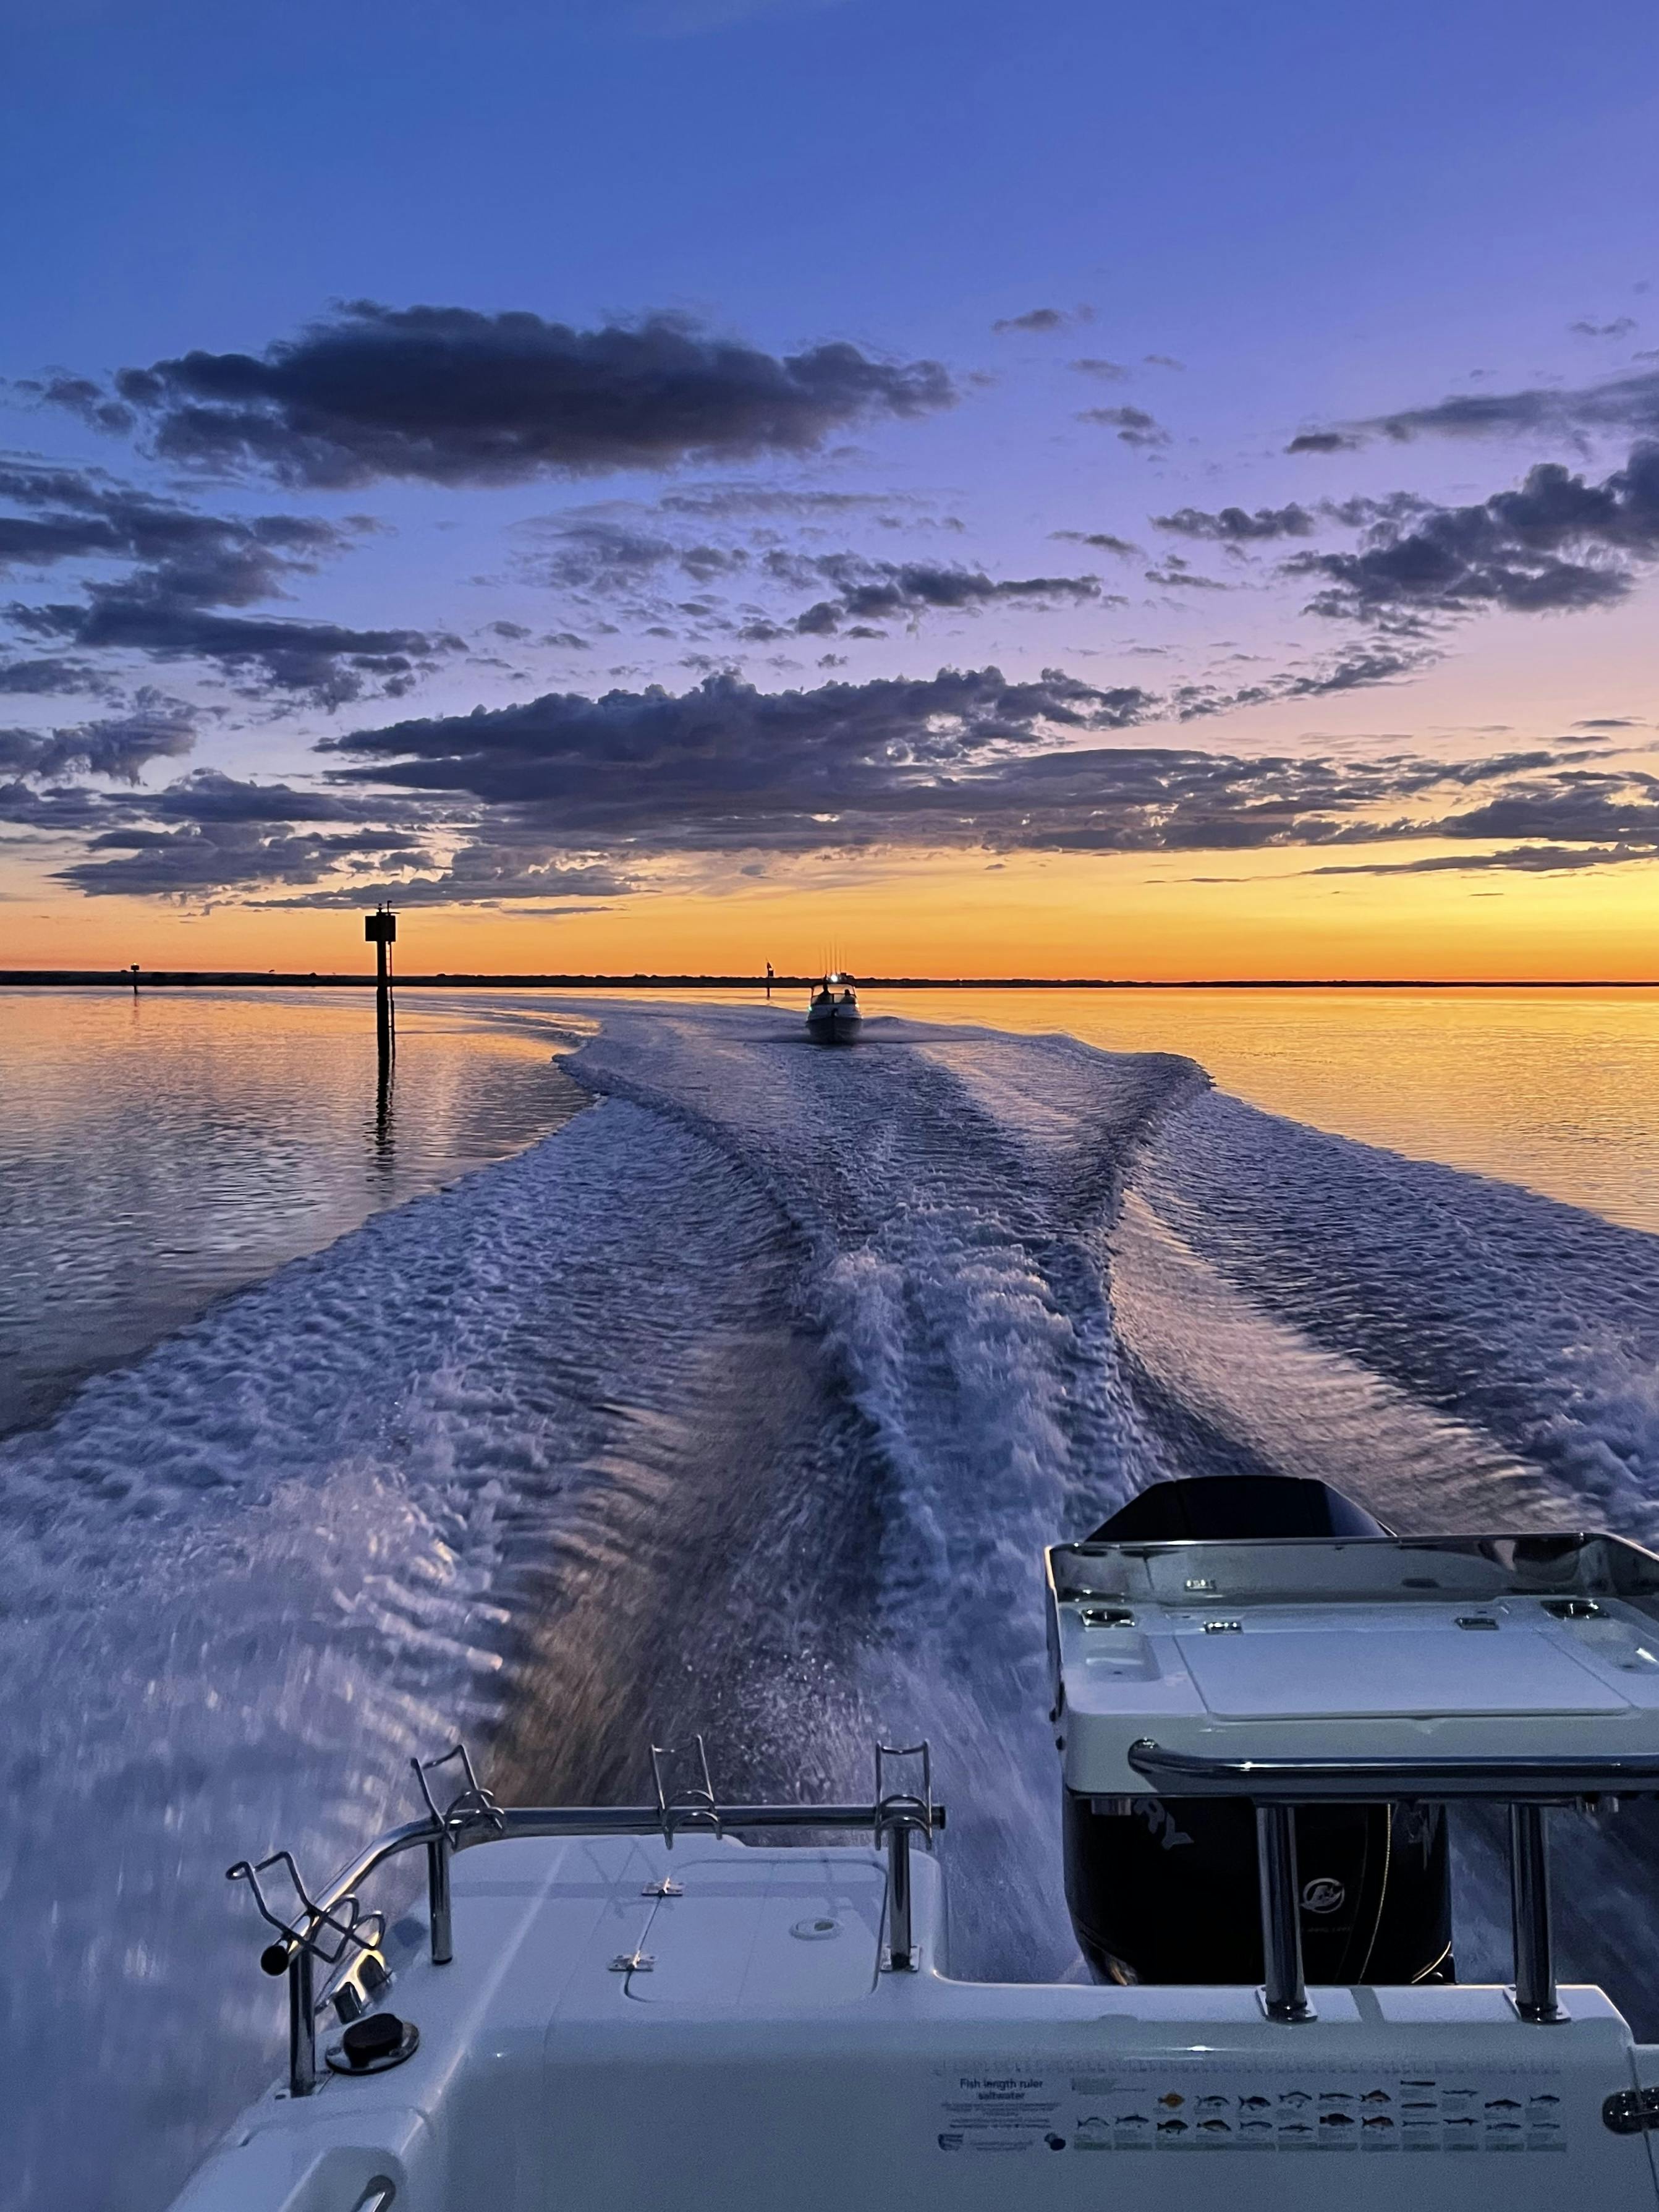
x: 157, y: 1152
x: 1555, y: 1089
x: 745, y: 1402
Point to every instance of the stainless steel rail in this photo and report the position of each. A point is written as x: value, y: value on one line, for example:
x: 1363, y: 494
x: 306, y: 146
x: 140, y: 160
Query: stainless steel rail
x: 473, y: 1818
x: 1276, y: 1786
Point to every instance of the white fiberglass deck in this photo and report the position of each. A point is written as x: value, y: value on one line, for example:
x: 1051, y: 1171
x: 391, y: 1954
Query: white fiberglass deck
x: 1352, y: 1649
x: 765, y: 2061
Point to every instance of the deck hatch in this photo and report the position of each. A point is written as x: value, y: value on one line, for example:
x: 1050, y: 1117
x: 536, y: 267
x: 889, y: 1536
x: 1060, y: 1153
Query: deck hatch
x: 1302, y: 1673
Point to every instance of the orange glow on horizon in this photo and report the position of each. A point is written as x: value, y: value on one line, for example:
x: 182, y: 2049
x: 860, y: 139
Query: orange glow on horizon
x: 1143, y: 919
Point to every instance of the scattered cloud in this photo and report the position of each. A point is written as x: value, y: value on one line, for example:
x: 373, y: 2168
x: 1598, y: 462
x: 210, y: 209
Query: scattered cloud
x: 1526, y: 860
x: 1109, y: 372
x: 219, y: 858
x: 83, y: 514
x: 1233, y: 525
x: 1555, y: 543
x: 1044, y: 319
x: 1620, y: 327
x: 866, y: 591
x: 118, y: 746
x: 42, y: 677
x: 1102, y: 540
x: 1173, y: 570
x: 325, y: 662
x: 1628, y: 403
x: 179, y: 565
x: 1134, y: 425
x: 449, y: 396
x: 1324, y: 442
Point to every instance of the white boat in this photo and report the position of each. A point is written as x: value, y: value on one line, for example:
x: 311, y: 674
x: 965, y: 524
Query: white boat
x: 834, y: 1018
x: 688, y: 2005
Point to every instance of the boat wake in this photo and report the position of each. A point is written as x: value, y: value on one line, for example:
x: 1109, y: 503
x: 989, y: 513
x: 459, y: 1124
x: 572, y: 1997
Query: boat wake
x: 745, y: 1403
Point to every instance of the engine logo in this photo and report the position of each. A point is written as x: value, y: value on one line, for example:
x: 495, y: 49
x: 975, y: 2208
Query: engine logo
x: 1322, y: 1895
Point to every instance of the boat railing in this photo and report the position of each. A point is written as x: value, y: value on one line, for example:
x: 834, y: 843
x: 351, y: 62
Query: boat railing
x: 330, y: 1933
x: 1529, y: 1787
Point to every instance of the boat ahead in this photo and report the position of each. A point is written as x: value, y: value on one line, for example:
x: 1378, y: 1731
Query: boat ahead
x: 834, y: 1018
x: 1264, y: 1700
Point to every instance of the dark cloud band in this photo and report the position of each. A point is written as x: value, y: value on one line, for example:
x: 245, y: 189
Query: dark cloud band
x: 453, y: 397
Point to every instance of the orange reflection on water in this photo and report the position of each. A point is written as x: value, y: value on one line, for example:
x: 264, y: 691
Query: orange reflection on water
x: 1556, y: 1090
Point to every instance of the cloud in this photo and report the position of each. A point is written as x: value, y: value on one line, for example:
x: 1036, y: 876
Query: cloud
x: 1102, y: 540
x: 1044, y: 319
x: 485, y: 874
x: 323, y: 662
x: 1628, y: 403
x: 726, y: 762
x: 594, y: 550
x: 1110, y: 371
x: 118, y: 746
x: 1555, y: 543
x: 1162, y: 360
x: 189, y: 862
x: 84, y: 515
x: 449, y: 396
x: 181, y: 563
x: 965, y: 758
x: 559, y: 798
x: 882, y: 591
x: 1576, y: 806
x: 1620, y: 327
x: 1176, y: 572
x: 43, y: 675
x: 1134, y: 425
x: 1233, y: 525
x: 721, y: 501
x: 1527, y: 860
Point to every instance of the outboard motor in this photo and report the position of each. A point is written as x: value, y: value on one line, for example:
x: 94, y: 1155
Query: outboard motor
x: 1166, y: 1889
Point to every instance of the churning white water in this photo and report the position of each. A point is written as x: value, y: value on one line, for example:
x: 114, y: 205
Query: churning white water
x: 746, y: 1400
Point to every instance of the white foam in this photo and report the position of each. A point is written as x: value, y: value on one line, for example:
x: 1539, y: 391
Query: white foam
x: 769, y: 1378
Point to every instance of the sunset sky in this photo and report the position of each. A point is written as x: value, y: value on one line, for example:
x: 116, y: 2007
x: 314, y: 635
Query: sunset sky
x: 1058, y: 488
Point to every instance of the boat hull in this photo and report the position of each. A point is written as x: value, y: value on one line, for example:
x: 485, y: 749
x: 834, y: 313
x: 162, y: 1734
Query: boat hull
x: 835, y: 1025
x: 607, y: 2038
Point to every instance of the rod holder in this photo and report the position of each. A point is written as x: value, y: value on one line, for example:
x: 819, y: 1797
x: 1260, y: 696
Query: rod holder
x: 1284, y: 1994
x: 301, y: 2022
x: 899, y: 1815
x: 438, y: 1905
x: 1535, y: 1999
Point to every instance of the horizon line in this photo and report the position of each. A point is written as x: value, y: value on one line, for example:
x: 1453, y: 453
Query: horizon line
x: 133, y: 976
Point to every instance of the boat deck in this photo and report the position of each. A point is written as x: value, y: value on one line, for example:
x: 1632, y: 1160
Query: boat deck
x: 596, y: 2045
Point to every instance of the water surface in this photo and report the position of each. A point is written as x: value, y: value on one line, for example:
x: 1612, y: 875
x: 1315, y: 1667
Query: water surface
x: 745, y: 1400
x: 160, y: 1149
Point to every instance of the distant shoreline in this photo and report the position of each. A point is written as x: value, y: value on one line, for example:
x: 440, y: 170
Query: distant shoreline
x: 240, y: 979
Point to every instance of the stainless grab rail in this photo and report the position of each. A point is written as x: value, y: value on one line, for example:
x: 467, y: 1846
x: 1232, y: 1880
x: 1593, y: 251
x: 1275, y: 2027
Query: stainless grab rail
x: 474, y: 1818
x: 1276, y: 1786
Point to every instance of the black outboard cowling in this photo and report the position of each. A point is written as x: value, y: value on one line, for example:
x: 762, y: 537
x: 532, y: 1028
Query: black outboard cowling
x: 1166, y: 1889
x: 1226, y: 1508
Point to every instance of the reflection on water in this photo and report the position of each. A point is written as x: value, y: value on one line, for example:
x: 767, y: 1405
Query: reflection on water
x: 1553, y: 1089
x: 159, y: 1150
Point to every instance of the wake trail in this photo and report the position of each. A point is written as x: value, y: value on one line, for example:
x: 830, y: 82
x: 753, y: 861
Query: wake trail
x: 746, y: 1402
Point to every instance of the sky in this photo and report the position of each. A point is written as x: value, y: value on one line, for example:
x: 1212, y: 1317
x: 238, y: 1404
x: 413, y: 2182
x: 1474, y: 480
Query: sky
x: 1066, y: 489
